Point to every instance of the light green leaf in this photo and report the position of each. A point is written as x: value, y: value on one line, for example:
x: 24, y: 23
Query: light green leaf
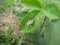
x: 32, y: 4
x: 55, y: 37
x: 56, y: 1
x: 52, y: 11
x: 52, y: 34
x: 48, y: 32
x: 31, y: 15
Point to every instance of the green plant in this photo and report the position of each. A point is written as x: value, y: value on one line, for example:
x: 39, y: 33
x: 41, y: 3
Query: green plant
x: 42, y: 10
x: 9, y: 5
x: 40, y: 25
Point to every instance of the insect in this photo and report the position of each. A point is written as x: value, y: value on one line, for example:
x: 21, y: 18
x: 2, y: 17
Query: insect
x: 30, y: 22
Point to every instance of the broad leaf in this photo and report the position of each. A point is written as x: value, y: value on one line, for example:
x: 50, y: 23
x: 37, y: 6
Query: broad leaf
x: 55, y: 37
x: 20, y: 15
x: 52, y: 11
x: 56, y: 1
x: 31, y: 15
x: 48, y: 32
x: 32, y: 4
x: 52, y: 34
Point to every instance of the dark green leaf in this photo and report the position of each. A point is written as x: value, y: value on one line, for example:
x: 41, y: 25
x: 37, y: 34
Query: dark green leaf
x: 31, y: 15
x: 52, y: 33
x: 55, y: 37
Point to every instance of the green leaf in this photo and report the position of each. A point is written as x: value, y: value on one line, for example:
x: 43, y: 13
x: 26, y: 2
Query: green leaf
x: 56, y: 1
x: 20, y: 15
x: 48, y: 32
x: 32, y: 4
x: 55, y: 37
x: 52, y: 33
x: 52, y: 11
x: 31, y: 15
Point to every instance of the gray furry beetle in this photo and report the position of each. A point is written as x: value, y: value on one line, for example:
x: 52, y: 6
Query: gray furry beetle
x: 30, y: 22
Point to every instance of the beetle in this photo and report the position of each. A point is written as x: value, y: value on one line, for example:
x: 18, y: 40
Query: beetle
x: 30, y: 22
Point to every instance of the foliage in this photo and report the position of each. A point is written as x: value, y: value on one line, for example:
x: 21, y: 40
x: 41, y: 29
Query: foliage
x: 6, y: 4
x: 43, y: 30
x: 49, y: 10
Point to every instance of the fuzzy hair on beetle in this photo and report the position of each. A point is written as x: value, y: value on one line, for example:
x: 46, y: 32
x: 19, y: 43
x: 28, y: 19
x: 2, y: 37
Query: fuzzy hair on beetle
x: 30, y: 22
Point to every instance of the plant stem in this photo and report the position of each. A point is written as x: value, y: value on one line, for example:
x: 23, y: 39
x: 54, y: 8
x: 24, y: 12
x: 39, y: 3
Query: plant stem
x: 21, y: 40
x: 43, y: 20
x: 7, y: 34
